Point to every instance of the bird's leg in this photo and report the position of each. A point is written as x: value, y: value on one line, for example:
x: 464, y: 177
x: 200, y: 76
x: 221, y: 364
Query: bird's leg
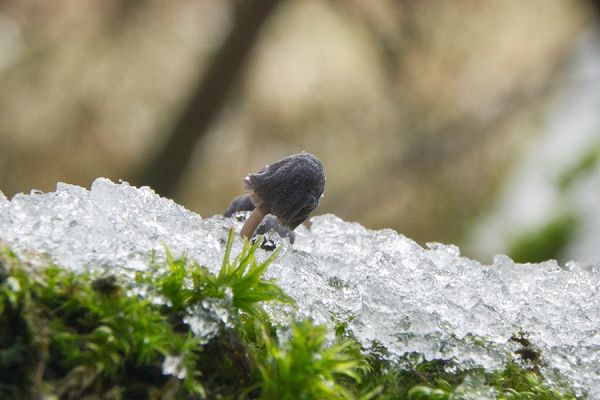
x: 252, y: 223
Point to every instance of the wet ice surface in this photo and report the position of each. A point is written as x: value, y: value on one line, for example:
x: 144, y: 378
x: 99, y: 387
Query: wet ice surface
x: 390, y: 289
x: 113, y: 225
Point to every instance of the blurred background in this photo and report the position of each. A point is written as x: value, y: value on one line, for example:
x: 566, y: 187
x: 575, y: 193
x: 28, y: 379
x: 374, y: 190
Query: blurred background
x: 468, y: 122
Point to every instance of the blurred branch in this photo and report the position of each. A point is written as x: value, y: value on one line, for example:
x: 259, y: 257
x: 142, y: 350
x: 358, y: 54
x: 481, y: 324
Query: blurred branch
x: 164, y: 171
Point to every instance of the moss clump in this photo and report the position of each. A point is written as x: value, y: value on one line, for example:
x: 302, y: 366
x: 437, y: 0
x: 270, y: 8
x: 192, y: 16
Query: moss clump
x: 305, y: 365
x: 443, y: 380
x: 78, y: 336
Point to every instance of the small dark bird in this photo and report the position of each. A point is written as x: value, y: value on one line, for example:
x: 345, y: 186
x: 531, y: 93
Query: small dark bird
x: 289, y: 189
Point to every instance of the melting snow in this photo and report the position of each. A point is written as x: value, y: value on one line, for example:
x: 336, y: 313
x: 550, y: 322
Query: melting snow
x: 391, y: 290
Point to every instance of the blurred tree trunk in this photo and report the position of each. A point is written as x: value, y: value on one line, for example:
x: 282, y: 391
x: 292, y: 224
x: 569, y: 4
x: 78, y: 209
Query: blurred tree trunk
x: 165, y: 169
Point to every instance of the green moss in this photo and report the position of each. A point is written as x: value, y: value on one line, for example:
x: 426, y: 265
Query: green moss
x: 304, y: 367
x: 73, y: 335
x: 78, y: 336
x: 438, y: 380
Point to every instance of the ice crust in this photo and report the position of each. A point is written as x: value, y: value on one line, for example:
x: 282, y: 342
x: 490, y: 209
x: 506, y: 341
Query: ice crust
x: 389, y: 289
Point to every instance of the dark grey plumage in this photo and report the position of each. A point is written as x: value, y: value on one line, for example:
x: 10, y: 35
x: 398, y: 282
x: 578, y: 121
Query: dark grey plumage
x: 290, y: 189
x: 240, y: 203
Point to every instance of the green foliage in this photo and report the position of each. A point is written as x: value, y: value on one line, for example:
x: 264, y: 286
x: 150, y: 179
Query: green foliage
x: 184, y: 284
x: 244, y: 277
x: 516, y: 382
x: 427, y: 393
x: 88, y: 339
x: 94, y: 336
x: 513, y: 382
x: 304, y: 367
x: 17, y: 346
x: 547, y: 242
x: 415, y: 378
